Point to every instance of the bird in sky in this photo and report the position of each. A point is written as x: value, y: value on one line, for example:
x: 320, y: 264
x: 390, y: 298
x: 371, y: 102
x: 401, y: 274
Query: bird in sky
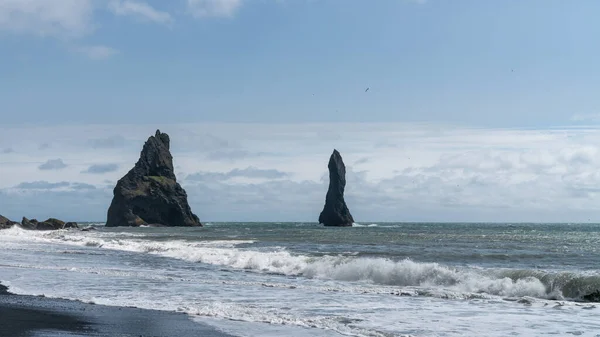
x: 366, y: 89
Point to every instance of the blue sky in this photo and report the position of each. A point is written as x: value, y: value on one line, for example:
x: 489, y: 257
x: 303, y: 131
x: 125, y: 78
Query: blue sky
x: 256, y: 93
x: 509, y: 63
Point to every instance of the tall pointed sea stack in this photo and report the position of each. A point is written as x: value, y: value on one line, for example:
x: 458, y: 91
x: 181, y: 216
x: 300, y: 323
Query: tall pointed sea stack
x: 149, y: 193
x: 335, y: 212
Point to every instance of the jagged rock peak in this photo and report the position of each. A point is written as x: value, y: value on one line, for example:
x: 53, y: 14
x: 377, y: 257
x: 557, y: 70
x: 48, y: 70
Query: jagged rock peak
x: 337, y: 169
x: 155, y: 158
x: 336, y: 212
x: 149, y: 193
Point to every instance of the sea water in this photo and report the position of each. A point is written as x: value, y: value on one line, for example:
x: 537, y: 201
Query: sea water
x: 301, y: 279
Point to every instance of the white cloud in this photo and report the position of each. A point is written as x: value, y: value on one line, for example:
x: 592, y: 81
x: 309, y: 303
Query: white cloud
x: 97, y: 52
x: 425, y: 172
x: 56, y: 18
x: 42, y: 185
x: 216, y: 8
x: 248, y: 173
x: 139, y: 9
x: 53, y: 164
x: 101, y: 168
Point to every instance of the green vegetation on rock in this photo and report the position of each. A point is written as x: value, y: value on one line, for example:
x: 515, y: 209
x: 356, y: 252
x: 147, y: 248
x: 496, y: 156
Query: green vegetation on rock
x: 162, y: 180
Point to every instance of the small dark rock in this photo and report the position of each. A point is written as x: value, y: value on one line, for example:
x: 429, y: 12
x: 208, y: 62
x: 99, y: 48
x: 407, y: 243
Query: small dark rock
x: 592, y: 297
x: 71, y: 225
x: 4, y: 290
x: 47, y: 225
x: 29, y: 224
x: 55, y: 223
x: 335, y: 212
x: 6, y: 223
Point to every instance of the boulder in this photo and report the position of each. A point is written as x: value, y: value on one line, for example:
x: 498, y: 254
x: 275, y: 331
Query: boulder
x: 149, y: 193
x: 29, y: 224
x: 6, y: 223
x: 4, y: 289
x: 335, y: 212
x: 592, y: 297
x: 55, y: 223
x: 47, y: 225
x: 71, y: 225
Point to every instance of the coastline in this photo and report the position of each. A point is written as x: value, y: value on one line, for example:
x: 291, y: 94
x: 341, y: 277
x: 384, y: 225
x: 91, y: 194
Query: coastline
x: 24, y: 315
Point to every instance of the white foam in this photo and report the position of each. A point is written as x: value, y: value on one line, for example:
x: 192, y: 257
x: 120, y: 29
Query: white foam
x: 406, y: 273
x: 370, y: 225
x: 332, y: 295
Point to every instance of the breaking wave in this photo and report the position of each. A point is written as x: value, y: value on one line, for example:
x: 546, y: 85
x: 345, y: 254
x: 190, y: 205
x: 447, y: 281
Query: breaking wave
x: 379, y: 271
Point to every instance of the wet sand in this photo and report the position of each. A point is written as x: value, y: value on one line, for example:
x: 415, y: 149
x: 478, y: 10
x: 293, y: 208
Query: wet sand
x: 24, y: 316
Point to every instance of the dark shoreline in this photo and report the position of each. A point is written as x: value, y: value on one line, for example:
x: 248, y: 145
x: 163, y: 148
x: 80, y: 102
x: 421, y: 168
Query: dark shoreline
x: 23, y: 316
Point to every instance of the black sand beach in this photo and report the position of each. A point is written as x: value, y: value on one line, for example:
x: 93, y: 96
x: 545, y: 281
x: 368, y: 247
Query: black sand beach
x: 24, y: 316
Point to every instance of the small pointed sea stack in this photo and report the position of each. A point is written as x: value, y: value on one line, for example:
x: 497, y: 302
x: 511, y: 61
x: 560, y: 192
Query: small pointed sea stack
x: 335, y: 212
x: 149, y: 193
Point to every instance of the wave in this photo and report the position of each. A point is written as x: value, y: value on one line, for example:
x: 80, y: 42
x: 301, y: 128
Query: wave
x: 370, y: 225
x: 378, y: 271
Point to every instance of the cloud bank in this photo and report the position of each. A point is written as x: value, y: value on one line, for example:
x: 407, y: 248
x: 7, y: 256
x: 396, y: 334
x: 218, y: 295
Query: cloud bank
x: 424, y: 172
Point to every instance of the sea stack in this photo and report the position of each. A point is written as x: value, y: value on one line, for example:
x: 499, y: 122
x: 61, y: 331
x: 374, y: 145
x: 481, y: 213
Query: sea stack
x: 335, y: 212
x: 149, y: 193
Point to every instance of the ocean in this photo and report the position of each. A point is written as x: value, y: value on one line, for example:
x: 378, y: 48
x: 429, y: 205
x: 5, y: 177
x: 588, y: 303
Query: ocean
x: 302, y: 279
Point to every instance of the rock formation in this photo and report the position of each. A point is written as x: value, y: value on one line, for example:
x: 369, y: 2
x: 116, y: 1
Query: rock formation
x: 6, y: 223
x: 592, y: 297
x: 3, y: 288
x: 335, y: 212
x: 33, y: 224
x: 149, y: 193
x: 47, y: 225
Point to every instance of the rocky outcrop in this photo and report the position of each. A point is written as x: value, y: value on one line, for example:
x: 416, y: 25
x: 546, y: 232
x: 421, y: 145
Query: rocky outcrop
x: 29, y: 224
x: 71, y: 225
x: 47, y: 225
x: 335, y: 212
x: 3, y: 288
x: 55, y: 223
x: 149, y: 193
x: 592, y: 297
x: 6, y: 223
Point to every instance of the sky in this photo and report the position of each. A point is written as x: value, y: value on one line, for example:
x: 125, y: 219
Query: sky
x: 475, y: 110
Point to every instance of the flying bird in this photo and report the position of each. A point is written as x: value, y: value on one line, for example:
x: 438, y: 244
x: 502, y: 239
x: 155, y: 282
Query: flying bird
x: 366, y: 89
